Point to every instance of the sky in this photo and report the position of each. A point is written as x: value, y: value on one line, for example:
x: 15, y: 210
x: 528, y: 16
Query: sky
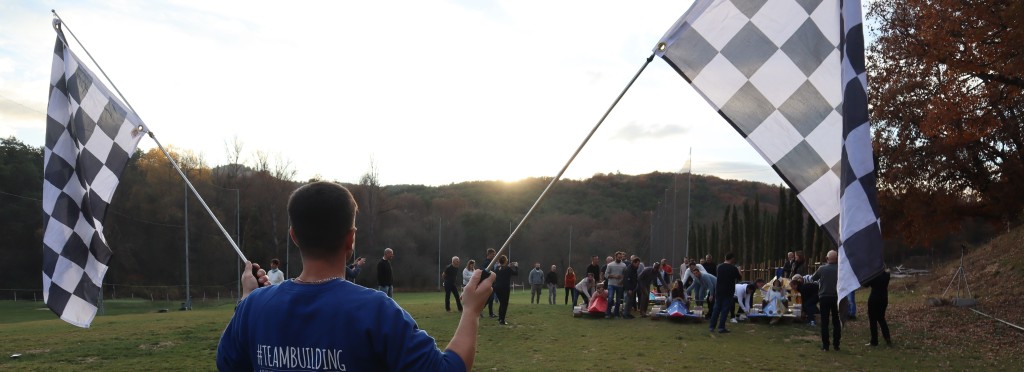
x: 431, y: 92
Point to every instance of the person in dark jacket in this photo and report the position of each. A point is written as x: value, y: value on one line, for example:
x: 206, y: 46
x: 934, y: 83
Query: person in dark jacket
x: 725, y: 289
x: 808, y: 297
x: 503, y: 285
x: 629, y: 282
x: 385, y: 278
x: 878, y: 301
x: 787, y: 267
x: 645, y: 280
x: 449, y: 278
x: 827, y: 277
x: 551, y: 280
x: 710, y: 266
x: 799, y: 264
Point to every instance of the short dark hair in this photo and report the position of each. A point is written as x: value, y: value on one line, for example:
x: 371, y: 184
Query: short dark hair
x: 729, y: 256
x: 275, y: 262
x: 322, y: 214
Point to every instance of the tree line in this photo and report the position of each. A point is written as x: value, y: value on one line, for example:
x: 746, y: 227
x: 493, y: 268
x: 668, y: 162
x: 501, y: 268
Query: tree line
x: 146, y: 223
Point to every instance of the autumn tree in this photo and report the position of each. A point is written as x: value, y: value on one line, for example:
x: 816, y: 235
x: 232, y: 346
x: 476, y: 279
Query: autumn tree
x: 945, y: 82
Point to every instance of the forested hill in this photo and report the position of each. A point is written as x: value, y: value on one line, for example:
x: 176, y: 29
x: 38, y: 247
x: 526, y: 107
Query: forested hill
x: 145, y: 225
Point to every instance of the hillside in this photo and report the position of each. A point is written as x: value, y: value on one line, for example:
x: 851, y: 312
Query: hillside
x: 995, y: 272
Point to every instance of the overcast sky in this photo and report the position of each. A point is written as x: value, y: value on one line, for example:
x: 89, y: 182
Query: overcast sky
x: 434, y: 92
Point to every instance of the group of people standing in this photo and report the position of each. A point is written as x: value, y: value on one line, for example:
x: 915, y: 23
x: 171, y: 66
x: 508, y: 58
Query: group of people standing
x: 818, y: 294
x: 625, y: 283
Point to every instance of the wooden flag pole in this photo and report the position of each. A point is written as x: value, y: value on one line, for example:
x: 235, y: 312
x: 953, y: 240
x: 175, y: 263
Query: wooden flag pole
x: 59, y: 24
x: 566, y: 166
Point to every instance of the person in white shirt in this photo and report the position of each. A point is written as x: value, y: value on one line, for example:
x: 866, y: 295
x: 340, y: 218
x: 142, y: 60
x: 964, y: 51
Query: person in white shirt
x: 586, y: 289
x: 467, y: 273
x: 745, y: 296
x: 275, y: 275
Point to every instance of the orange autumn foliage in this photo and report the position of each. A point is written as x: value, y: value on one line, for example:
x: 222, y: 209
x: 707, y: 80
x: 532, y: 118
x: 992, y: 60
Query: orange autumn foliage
x: 946, y: 102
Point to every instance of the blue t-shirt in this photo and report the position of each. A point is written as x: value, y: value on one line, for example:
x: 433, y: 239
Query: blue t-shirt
x: 334, y: 326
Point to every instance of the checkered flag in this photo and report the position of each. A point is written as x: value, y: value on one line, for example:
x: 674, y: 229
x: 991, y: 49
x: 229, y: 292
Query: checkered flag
x: 89, y: 138
x: 777, y: 72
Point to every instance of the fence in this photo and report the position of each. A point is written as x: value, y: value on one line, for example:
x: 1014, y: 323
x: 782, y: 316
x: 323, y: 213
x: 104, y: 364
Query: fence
x: 766, y: 270
x: 141, y: 292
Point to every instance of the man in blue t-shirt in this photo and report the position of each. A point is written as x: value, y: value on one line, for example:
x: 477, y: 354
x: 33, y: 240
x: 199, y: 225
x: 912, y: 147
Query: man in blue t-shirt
x: 331, y: 323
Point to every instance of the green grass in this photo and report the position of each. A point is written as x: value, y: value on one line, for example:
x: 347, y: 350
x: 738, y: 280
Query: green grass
x: 134, y: 336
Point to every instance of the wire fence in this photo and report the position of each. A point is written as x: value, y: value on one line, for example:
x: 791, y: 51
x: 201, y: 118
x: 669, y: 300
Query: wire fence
x: 137, y: 292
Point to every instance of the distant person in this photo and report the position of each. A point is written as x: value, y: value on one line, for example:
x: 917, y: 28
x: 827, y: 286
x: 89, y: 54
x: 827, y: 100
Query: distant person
x: 595, y: 268
x: 551, y: 280
x: 614, y: 272
x: 851, y: 305
x: 630, y: 284
x: 787, y: 267
x: 799, y: 263
x: 666, y: 276
x: 775, y: 302
x: 503, y: 285
x: 650, y: 276
x: 808, y: 297
x: 570, y: 286
x: 878, y: 301
x: 275, y: 275
x: 677, y: 293
x: 320, y: 317
x: 536, y: 280
x: 687, y: 277
x: 603, y: 279
x: 599, y: 300
x: 725, y: 287
x: 449, y: 277
x: 494, y: 295
x: 709, y: 265
x: 585, y: 288
x: 827, y: 277
x: 467, y: 273
x: 352, y: 271
x: 744, y: 295
x: 385, y: 277
x: 703, y: 287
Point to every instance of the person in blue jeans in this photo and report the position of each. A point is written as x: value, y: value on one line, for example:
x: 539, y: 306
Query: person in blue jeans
x: 852, y: 300
x: 614, y: 272
x: 494, y: 296
x: 728, y: 276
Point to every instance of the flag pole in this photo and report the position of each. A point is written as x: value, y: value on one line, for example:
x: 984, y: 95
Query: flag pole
x: 59, y: 23
x: 566, y: 166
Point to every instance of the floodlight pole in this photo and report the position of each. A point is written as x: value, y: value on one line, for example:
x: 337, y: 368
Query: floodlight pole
x: 188, y: 289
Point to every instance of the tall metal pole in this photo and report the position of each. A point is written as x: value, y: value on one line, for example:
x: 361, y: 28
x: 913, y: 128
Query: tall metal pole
x: 439, y: 222
x: 570, y: 246
x: 287, y: 251
x: 188, y: 289
x: 238, y: 236
x: 675, y: 208
x: 689, y: 186
x: 651, y: 250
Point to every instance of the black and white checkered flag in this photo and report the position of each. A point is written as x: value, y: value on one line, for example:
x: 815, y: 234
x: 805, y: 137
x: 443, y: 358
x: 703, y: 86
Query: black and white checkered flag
x: 90, y: 137
x: 777, y: 72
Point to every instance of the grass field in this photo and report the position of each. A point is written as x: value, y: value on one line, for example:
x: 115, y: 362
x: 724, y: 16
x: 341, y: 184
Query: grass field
x: 134, y: 336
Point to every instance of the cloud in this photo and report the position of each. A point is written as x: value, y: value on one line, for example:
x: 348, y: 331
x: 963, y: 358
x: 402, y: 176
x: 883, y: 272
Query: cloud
x: 635, y: 131
x: 739, y: 170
